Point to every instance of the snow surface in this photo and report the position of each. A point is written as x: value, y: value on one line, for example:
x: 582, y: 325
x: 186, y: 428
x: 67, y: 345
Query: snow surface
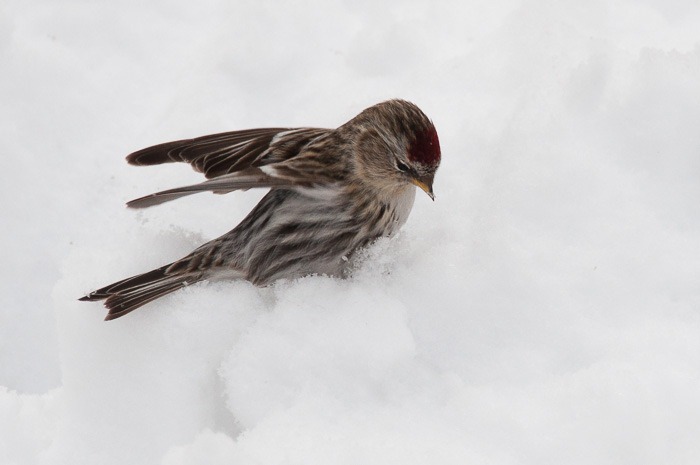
x: 545, y: 309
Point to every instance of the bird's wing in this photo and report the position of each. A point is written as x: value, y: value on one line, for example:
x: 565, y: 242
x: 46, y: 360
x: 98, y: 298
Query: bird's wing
x: 236, y: 161
x: 230, y: 152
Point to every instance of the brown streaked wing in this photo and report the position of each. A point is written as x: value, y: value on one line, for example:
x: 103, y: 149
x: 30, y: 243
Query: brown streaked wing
x: 223, y: 153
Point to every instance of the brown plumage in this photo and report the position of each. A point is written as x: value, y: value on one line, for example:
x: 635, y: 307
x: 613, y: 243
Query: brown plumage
x: 331, y: 192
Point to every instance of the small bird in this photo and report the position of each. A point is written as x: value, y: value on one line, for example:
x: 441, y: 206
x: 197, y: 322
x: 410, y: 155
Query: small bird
x: 332, y: 191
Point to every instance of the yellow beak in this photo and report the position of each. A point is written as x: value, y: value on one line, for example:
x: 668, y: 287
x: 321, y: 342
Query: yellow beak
x: 428, y: 189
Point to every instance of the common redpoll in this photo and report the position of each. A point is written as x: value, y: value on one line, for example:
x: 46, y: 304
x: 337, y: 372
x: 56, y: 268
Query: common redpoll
x: 331, y: 192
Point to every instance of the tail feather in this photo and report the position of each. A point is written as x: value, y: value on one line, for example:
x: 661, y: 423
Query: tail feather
x: 120, y: 304
x: 129, y: 294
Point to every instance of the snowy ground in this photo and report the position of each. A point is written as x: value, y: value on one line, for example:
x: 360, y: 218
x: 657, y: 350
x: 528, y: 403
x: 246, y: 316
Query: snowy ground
x: 544, y: 310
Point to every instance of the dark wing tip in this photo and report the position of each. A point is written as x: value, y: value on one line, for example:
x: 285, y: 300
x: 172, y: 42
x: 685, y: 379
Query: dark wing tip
x: 156, y: 154
x: 133, y: 159
x: 149, y: 201
x: 93, y: 297
x: 137, y: 158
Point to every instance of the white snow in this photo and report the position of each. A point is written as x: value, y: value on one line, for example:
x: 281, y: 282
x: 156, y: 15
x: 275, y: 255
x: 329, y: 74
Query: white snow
x: 545, y: 309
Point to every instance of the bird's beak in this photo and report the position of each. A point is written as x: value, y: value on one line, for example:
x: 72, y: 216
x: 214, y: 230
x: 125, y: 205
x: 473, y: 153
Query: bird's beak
x: 425, y: 184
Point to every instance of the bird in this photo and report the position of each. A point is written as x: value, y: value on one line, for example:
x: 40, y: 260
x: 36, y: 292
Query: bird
x: 331, y: 192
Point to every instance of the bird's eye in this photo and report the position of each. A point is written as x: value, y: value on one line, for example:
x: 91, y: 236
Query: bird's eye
x: 401, y: 167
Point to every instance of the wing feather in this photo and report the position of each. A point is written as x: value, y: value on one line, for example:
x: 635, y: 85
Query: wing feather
x: 251, y: 178
x: 228, y: 152
x: 241, y: 160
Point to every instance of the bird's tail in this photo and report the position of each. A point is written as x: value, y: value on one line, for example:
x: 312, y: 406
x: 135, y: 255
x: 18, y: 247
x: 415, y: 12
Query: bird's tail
x: 129, y: 294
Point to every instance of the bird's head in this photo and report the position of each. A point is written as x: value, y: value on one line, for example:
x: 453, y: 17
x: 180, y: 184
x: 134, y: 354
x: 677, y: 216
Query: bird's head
x: 419, y: 162
x: 398, y: 145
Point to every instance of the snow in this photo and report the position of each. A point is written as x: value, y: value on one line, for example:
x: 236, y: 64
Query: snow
x: 544, y: 309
